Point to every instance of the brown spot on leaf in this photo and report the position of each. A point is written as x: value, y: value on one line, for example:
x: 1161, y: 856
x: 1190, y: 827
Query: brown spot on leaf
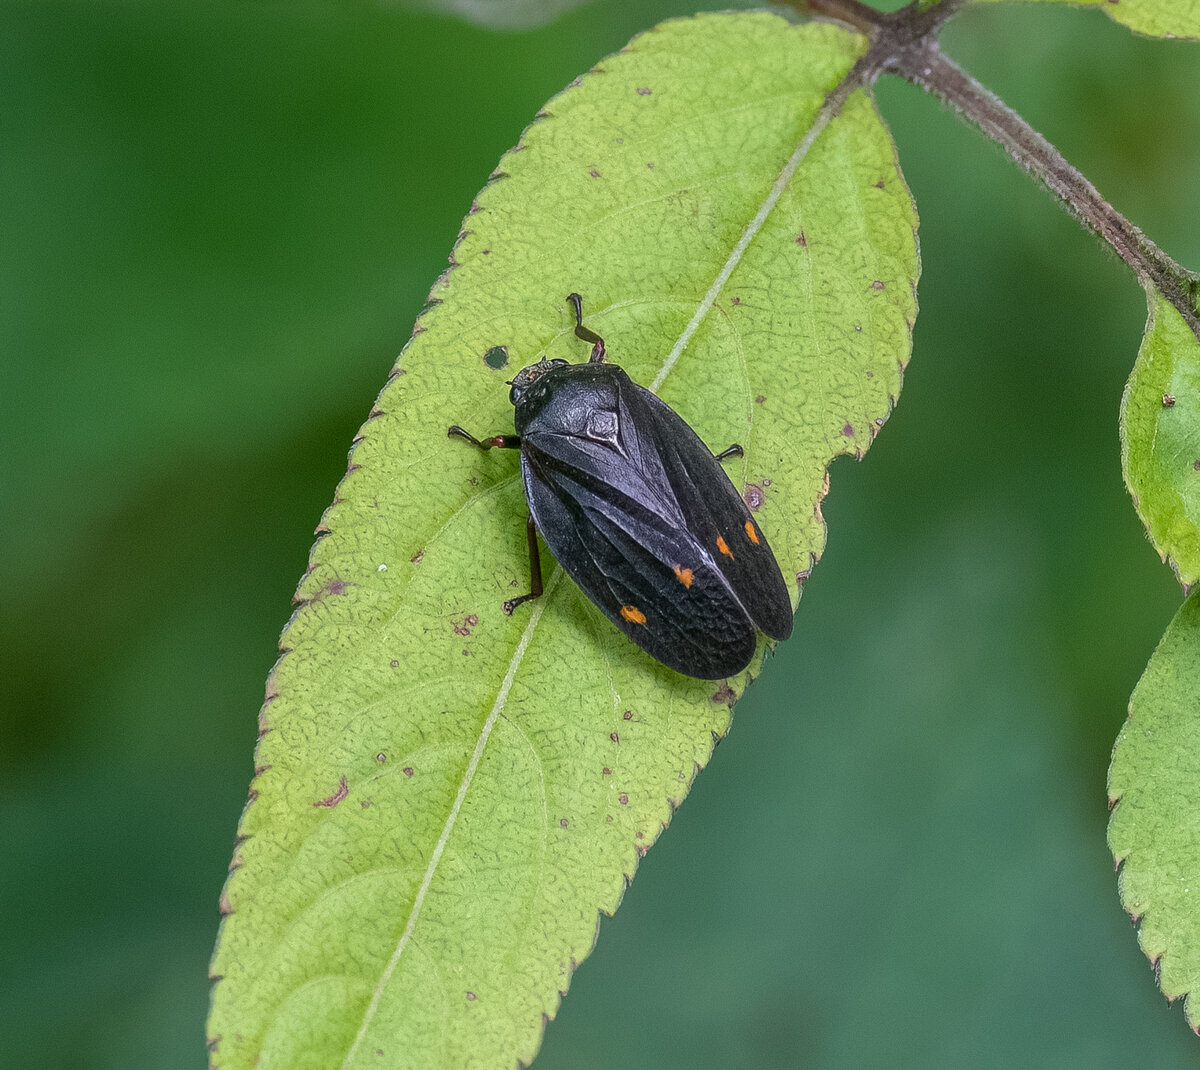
x: 760, y: 399
x: 878, y: 284
x: 407, y: 770
x: 735, y: 300
x: 394, y: 663
x: 331, y: 801
x: 754, y: 496
x: 606, y: 771
x: 1168, y: 400
x: 464, y: 626
x: 416, y: 558
x: 627, y: 715
x: 334, y: 586
x: 623, y: 799
x: 848, y: 430
x: 724, y: 695
x: 615, y: 736
x: 563, y: 822
x: 802, y: 240
x: 644, y: 91
x: 471, y: 997
x: 594, y: 173
x: 381, y: 758
x: 1196, y: 466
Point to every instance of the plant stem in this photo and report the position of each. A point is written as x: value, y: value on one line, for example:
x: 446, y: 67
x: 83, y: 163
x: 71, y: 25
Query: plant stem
x: 853, y: 13
x: 905, y: 43
x: 927, y: 67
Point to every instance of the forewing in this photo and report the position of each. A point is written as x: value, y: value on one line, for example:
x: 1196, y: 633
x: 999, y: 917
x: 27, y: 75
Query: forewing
x: 633, y: 560
x: 718, y: 518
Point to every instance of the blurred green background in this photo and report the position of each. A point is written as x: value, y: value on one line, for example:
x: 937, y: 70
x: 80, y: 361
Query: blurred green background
x: 219, y: 222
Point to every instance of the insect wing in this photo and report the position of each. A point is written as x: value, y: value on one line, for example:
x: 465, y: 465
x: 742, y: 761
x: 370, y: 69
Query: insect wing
x: 718, y: 518
x: 626, y: 559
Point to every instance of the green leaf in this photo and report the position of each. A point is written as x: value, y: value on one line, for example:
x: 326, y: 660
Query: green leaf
x: 1160, y: 437
x: 1154, y: 832
x: 447, y: 797
x: 1155, y: 18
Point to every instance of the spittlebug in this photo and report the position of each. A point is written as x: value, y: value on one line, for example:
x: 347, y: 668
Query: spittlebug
x: 641, y: 515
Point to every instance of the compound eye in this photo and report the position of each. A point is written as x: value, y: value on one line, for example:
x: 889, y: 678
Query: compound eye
x: 514, y: 395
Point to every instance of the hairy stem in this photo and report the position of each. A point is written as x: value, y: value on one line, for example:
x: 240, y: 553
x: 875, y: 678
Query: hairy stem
x: 905, y: 43
x: 926, y: 66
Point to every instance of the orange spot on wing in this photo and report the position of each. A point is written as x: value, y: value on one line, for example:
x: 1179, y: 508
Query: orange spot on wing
x: 683, y: 575
x: 723, y: 546
x: 751, y: 534
x: 633, y: 614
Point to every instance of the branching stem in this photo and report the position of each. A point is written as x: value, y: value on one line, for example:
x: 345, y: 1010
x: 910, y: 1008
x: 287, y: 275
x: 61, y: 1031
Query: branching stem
x: 905, y: 43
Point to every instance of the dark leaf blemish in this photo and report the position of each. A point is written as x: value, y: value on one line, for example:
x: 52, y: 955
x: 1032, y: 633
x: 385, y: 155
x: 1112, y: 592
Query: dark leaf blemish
x: 407, y: 770
x: 724, y: 695
x: 342, y: 791
x: 754, y: 496
x: 464, y: 626
x: 848, y: 431
x: 644, y: 91
x: 878, y: 284
x: 496, y: 357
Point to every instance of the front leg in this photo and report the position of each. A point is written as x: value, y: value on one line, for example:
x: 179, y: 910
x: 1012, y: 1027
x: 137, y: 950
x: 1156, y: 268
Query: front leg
x: 501, y: 442
x: 586, y: 334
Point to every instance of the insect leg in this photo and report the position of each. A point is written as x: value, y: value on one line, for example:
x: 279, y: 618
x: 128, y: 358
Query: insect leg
x: 535, y: 571
x: 501, y: 442
x: 583, y: 333
x: 733, y: 451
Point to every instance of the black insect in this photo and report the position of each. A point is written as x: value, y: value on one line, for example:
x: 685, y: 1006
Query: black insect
x: 641, y: 515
